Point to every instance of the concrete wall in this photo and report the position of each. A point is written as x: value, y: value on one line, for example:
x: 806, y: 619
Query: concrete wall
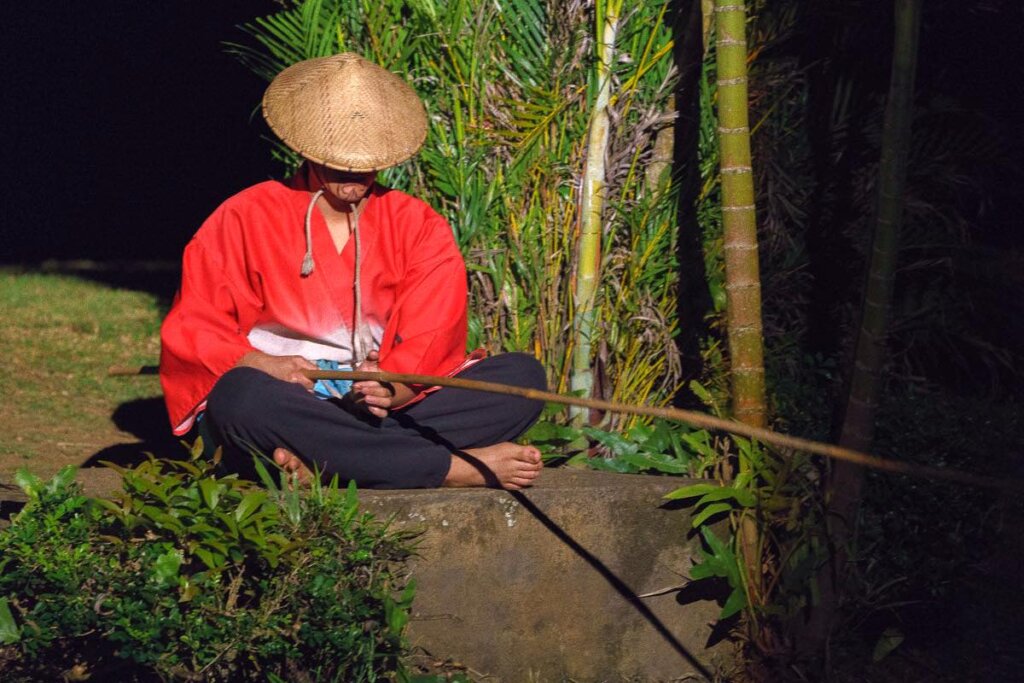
x: 546, y: 584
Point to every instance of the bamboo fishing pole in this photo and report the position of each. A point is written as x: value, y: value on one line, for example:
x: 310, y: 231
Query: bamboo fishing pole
x: 690, y: 417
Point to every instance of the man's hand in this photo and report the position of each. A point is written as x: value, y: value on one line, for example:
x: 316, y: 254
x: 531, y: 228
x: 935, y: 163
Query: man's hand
x: 286, y: 368
x: 376, y: 397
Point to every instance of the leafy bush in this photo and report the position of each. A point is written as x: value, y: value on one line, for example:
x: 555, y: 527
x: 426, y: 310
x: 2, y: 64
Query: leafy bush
x: 193, y: 577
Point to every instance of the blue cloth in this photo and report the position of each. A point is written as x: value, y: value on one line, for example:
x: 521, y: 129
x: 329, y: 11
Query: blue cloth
x: 332, y: 388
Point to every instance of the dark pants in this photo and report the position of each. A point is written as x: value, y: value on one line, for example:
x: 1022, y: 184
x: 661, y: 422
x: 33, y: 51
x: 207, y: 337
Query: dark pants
x: 250, y: 411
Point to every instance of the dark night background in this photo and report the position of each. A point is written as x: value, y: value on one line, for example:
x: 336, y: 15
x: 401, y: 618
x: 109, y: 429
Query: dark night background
x: 125, y: 124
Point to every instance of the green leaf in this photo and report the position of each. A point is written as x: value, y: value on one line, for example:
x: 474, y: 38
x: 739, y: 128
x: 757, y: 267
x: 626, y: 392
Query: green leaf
x: 610, y: 465
x: 263, y: 474
x: 211, y: 491
x: 615, y: 442
x: 890, y: 639
x: 733, y: 604
x: 9, y: 632
x: 700, y: 442
x: 744, y: 498
x: 692, y: 491
x: 211, y: 560
x: 709, y: 511
x: 62, y: 479
x: 644, y: 461
x: 28, y: 482
x: 722, y: 557
x: 165, y: 569
x: 250, y: 502
x: 161, y: 518
x: 197, y: 448
x: 701, y: 393
x: 546, y: 432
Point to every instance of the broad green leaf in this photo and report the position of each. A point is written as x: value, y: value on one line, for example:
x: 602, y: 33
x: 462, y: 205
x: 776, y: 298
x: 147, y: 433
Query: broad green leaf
x: 610, y: 465
x: 723, y: 558
x: 9, y: 632
x: 197, y: 448
x: 28, y: 482
x: 692, y: 491
x: 736, y: 601
x: 615, y: 442
x: 703, y: 570
x: 250, y: 502
x: 211, y: 560
x: 548, y: 431
x: 744, y: 498
x: 700, y: 442
x: 709, y: 511
x: 643, y: 461
x: 161, y: 518
x: 211, y: 491
x: 62, y: 479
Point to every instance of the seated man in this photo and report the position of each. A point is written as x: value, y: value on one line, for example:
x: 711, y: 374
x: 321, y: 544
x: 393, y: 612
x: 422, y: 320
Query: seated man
x: 330, y: 270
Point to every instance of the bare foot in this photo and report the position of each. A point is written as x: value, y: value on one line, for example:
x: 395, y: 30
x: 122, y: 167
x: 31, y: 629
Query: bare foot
x: 504, y: 465
x: 290, y: 463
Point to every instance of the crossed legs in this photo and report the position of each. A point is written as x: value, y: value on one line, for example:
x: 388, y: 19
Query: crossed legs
x: 453, y: 437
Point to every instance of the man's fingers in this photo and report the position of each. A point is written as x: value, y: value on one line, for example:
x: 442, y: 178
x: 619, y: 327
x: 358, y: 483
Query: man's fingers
x: 300, y: 378
x: 377, y: 401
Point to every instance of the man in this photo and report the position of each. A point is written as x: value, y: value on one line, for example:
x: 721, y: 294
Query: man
x: 331, y: 270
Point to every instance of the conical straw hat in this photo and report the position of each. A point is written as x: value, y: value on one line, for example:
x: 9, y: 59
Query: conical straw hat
x: 345, y: 113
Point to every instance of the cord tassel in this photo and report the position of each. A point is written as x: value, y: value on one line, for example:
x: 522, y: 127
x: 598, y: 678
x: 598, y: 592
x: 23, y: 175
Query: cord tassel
x: 307, y: 260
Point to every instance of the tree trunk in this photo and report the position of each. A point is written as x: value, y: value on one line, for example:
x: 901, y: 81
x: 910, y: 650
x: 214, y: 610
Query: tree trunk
x: 742, y: 271
x: 742, y: 274
x: 588, y: 261
x: 858, y: 426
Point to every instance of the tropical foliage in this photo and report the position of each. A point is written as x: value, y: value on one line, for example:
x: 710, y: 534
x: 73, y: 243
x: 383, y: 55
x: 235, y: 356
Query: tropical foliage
x: 189, y: 576
x: 513, y: 90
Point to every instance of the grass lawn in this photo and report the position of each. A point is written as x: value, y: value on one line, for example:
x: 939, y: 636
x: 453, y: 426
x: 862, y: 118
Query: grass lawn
x: 58, y: 337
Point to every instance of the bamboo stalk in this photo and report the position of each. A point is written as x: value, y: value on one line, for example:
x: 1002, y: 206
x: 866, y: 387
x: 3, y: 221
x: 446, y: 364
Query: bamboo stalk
x: 588, y: 263
x: 739, y: 224
x: 690, y: 417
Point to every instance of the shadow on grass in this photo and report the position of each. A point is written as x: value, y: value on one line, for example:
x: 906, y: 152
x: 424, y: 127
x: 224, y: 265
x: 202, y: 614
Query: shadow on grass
x: 159, y: 278
x: 146, y: 419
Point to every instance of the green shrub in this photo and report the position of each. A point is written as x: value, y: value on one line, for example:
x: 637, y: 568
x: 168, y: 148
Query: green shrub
x: 188, y: 576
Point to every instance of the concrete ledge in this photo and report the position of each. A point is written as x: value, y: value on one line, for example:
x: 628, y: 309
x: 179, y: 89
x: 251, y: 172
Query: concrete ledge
x: 576, y: 579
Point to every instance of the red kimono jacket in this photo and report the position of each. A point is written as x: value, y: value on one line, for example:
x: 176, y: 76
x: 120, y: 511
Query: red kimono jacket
x: 242, y: 290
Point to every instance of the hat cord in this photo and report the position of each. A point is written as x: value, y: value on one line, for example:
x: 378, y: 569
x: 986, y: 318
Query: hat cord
x: 357, y: 339
x: 307, y: 260
x: 308, y: 265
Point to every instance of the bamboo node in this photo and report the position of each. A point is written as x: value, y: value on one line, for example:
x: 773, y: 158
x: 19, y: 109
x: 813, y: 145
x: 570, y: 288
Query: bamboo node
x: 733, y: 170
x: 731, y: 42
x: 733, y: 131
x: 730, y: 8
x: 739, y: 80
x: 741, y: 247
x: 744, y: 207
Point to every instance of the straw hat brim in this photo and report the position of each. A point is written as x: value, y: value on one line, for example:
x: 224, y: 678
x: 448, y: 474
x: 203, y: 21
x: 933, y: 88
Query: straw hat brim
x: 346, y: 113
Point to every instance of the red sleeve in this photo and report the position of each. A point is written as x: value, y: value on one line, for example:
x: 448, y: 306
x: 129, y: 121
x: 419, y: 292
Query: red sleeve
x: 426, y: 333
x: 205, y: 332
